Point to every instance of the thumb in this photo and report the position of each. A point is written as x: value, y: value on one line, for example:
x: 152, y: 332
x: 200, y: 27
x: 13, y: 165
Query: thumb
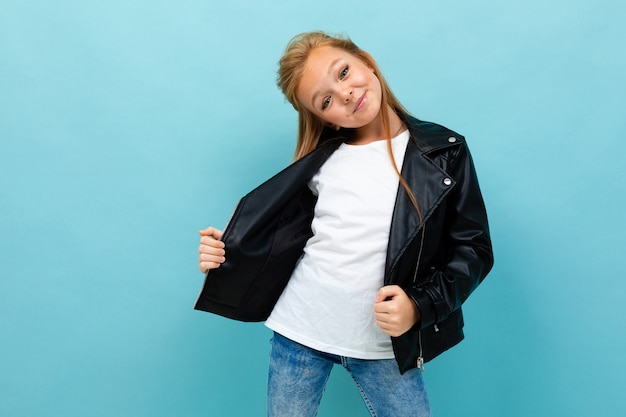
x: 387, y: 292
x: 211, y: 231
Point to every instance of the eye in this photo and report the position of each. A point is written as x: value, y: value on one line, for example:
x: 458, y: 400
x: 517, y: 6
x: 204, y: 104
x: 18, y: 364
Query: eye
x: 343, y: 73
x: 325, y: 103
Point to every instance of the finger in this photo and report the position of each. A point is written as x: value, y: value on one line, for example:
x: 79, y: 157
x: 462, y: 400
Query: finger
x: 212, y: 257
x: 208, y: 261
x: 387, y: 292
x: 386, y: 309
x: 209, y: 241
x: 390, y: 324
x: 380, y: 308
x: 206, y: 266
x: 211, y: 250
x: 386, y: 328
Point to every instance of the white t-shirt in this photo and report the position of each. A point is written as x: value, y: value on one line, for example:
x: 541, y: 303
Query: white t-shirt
x: 328, y: 302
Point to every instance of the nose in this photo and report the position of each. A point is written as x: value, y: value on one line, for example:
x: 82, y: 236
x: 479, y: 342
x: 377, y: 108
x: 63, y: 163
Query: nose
x: 347, y: 95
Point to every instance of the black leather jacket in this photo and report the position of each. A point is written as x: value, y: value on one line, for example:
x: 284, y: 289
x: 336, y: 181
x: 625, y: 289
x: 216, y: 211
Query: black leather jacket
x: 438, y: 262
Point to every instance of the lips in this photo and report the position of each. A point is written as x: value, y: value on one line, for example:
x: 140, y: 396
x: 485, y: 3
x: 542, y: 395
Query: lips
x: 360, y: 102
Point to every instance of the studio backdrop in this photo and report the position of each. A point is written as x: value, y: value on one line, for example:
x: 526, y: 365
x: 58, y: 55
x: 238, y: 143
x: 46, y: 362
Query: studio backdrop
x: 127, y: 126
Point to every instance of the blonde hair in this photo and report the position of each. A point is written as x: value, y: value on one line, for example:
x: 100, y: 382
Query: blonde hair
x: 311, y: 129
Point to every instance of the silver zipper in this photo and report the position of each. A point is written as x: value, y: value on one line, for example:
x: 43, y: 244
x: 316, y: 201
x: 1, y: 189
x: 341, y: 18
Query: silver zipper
x: 420, y: 358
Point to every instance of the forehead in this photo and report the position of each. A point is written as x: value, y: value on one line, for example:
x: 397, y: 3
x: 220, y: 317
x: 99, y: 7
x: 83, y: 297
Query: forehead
x: 322, y: 56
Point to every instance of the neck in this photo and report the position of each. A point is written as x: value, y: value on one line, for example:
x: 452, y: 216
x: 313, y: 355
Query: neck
x: 376, y: 129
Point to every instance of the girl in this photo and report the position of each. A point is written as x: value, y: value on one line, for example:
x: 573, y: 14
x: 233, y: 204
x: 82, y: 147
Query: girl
x: 362, y: 251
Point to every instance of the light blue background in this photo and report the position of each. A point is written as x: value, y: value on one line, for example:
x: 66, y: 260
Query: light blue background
x: 126, y: 126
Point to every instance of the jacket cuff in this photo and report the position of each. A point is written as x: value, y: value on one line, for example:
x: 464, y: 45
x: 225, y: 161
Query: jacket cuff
x: 425, y: 305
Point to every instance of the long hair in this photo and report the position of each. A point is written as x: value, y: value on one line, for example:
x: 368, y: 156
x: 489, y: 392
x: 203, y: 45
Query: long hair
x: 311, y: 129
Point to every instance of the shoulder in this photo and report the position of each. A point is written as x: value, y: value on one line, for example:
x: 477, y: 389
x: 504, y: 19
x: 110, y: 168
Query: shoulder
x: 430, y: 137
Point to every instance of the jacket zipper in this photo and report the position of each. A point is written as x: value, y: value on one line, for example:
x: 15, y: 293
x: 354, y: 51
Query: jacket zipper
x: 420, y: 358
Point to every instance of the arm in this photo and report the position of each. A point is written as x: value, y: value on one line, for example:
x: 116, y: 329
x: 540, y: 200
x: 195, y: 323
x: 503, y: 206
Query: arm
x: 466, y: 247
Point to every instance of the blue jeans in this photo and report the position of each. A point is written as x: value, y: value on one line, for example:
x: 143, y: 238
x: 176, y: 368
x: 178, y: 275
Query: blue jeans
x: 298, y: 376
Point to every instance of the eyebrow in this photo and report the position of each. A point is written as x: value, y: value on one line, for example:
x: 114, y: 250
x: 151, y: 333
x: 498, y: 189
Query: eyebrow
x: 330, y: 70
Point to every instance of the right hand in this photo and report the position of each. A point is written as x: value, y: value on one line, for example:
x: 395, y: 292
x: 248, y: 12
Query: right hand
x: 211, y: 250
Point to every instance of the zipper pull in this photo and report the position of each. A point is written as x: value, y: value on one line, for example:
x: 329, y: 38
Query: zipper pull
x: 420, y: 363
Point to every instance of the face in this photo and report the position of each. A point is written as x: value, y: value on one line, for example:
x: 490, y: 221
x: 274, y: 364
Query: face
x: 339, y: 88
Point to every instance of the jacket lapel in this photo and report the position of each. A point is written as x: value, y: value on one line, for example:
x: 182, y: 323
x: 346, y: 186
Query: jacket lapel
x: 276, y: 191
x: 429, y: 184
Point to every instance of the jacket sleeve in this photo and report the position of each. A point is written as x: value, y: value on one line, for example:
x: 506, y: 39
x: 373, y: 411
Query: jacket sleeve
x: 465, y: 247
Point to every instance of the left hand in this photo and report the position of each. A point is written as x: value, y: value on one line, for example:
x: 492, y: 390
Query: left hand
x: 394, y: 311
